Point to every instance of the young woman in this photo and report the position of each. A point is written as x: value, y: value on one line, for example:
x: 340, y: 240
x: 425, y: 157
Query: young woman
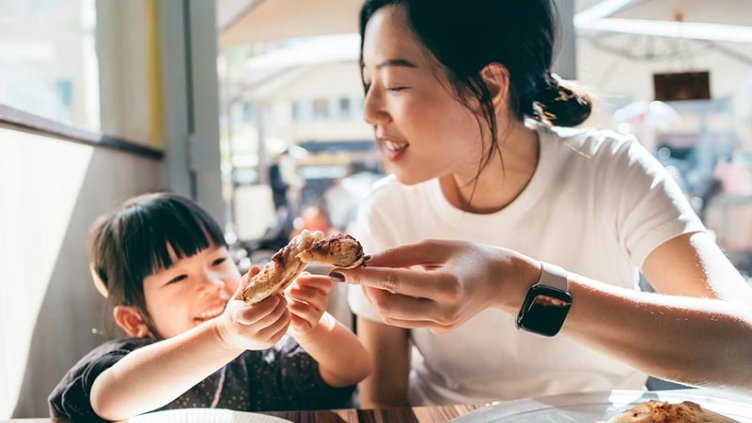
x: 163, y: 263
x: 498, y: 218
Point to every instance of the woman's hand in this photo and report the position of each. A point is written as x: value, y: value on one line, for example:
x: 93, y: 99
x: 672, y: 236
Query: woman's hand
x: 456, y: 280
x: 307, y: 299
x: 257, y: 327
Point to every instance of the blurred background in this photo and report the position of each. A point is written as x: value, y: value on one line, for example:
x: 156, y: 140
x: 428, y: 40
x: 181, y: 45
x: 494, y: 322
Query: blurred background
x: 253, y: 108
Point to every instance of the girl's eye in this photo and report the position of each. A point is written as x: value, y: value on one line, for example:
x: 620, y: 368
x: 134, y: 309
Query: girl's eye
x: 177, y: 279
x: 396, y: 89
x: 219, y: 261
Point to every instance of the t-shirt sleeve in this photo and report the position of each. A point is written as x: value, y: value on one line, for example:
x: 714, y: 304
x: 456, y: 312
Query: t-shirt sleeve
x: 651, y: 208
x: 299, y: 382
x: 71, y: 397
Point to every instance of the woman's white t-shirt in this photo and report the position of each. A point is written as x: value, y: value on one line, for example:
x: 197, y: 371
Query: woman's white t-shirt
x: 597, y: 205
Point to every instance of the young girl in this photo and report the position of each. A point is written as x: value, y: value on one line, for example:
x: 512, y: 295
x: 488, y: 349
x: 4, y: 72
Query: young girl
x: 163, y: 263
x: 468, y: 115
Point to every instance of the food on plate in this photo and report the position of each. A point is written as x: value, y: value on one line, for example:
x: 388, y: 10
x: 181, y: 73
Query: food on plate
x: 288, y: 263
x: 665, y: 412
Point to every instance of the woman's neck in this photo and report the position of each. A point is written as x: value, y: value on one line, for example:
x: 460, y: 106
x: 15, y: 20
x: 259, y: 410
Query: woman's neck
x: 499, y: 183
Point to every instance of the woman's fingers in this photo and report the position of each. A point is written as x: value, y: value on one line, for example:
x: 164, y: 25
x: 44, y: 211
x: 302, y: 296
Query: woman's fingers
x: 396, y: 307
x: 421, y: 253
x: 415, y: 283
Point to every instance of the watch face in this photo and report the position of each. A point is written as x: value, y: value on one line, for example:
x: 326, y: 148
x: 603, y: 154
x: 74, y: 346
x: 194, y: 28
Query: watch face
x: 544, y: 310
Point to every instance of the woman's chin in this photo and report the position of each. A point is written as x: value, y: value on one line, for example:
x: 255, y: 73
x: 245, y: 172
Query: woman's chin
x: 410, y: 178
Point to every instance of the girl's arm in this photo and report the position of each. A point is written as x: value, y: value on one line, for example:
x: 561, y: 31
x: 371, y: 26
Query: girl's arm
x: 153, y: 376
x: 342, y: 359
x: 700, y: 334
x: 387, y: 385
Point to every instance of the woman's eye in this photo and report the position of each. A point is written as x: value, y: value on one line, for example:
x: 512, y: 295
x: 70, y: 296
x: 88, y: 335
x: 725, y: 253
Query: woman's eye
x: 396, y: 89
x: 219, y: 261
x: 177, y: 279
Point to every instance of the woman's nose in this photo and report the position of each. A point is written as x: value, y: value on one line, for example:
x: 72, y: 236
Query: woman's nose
x: 374, y: 112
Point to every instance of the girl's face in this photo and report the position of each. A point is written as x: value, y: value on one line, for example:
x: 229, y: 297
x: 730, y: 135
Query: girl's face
x: 194, y: 289
x: 422, y: 131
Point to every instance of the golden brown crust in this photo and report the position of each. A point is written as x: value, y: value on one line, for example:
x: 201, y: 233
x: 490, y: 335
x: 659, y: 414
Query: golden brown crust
x: 288, y: 263
x: 339, y: 250
x: 664, y: 412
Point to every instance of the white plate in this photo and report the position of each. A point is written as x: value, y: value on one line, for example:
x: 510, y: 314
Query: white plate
x: 205, y: 415
x: 597, y: 406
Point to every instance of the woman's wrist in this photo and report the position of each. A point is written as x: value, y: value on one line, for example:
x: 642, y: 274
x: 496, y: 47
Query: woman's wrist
x: 522, y: 273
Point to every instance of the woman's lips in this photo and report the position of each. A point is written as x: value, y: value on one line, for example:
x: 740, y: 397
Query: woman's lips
x: 393, y: 150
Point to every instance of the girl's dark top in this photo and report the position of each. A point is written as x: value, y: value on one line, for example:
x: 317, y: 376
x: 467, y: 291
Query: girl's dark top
x: 284, y: 377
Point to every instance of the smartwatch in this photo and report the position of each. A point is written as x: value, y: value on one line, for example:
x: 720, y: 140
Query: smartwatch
x: 547, y: 302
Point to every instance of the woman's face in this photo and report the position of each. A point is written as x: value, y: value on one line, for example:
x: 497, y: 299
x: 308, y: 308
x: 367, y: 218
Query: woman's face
x: 422, y: 131
x: 191, y: 291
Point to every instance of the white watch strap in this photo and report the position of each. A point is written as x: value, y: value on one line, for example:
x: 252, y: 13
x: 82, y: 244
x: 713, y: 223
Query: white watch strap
x: 554, y: 276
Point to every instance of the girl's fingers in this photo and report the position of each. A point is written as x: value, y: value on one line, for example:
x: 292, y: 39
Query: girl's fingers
x: 266, y: 317
x: 280, y: 333
x: 247, y: 315
x: 244, y: 280
x: 299, y: 321
x: 308, y: 295
x: 318, y: 282
x: 307, y: 312
x: 281, y: 324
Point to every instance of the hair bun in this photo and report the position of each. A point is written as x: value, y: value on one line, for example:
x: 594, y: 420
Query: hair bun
x: 561, y: 104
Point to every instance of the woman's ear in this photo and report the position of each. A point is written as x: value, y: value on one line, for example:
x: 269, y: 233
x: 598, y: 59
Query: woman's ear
x: 129, y: 319
x: 496, y: 77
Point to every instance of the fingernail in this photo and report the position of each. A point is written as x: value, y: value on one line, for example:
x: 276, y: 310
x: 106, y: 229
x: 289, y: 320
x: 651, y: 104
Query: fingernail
x: 336, y: 276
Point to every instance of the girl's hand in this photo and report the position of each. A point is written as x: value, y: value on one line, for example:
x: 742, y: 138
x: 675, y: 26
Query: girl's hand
x: 307, y: 299
x: 457, y: 281
x: 257, y: 327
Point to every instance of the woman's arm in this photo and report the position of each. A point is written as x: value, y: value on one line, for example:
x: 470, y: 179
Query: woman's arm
x: 387, y: 385
x: 700, y: 334
x: 343, y: 361
x: 153, y: 376
x: 701, y: 341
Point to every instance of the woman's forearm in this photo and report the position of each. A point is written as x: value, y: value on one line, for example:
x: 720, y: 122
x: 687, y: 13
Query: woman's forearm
x: 342, y: 359
x: 697, y: 341
x: 152, y: 376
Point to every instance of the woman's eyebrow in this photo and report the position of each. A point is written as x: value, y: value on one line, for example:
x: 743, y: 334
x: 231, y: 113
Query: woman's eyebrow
x: 396, y: 63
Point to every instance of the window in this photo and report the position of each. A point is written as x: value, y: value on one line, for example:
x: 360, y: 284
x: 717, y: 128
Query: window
x: 321, y: 108
x: 49, y: 68
x: 296, y: 111
x: 344, y: 108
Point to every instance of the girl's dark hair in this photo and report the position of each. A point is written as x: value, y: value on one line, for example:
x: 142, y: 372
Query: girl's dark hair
x: 465, y: 36
x: 131, y: 243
